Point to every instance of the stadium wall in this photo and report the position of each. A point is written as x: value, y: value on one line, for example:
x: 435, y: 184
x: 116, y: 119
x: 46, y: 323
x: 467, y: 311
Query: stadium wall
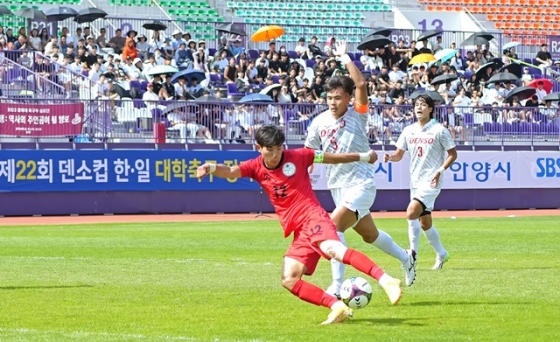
x: 173, y: 202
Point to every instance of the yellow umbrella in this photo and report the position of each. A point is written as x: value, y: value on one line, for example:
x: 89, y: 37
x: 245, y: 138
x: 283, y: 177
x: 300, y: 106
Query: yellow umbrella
x: 267, y: 33
x: 422, y: 58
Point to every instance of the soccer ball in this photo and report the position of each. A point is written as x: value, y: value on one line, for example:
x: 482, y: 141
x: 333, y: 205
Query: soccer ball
x: 356, y: 292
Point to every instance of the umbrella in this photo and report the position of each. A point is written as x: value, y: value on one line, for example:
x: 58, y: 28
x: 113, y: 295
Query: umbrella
x: 513, y: 68
x: 5, y: 11
x: 269, y: 89
x: 31, y: 13
x: 267, y: 33
x: 442, y: 79
x: 552, y: 97
x: 256, y: 98
x: 480, y: 72
x: 209, y: 98
x: 87, y: 15
x: 155, y: 26
x: 434, y: 95
x: 422, y: 58
x: 230, y: 28
x: 429, y: 34
x: 162, y: 69
x: 189, y: 75
x: 510, y: 45
x: 445, y: 55
x: 486, y: 36
x: 179, y: 104
x: 547, y: 84
x: 522, y: 93
x: 475, y: 40
x: 503, y: 77
x: 61, y: 13
x: 374, y: 42
x: 381, y: 31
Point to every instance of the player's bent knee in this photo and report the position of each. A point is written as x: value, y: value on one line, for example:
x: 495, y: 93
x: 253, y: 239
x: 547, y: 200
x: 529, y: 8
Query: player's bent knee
x: 289, y: 281
x: 334, y: 249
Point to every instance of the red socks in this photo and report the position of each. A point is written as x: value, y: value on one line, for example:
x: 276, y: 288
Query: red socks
x: 313, y: 294
x: 362, y: 263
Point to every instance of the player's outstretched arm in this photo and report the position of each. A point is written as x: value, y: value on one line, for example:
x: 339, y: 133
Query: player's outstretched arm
x: 394, y: 157
x: 343, y: 158
x: 218, y: 170
x: 451, y: 157
x: 361, y: 95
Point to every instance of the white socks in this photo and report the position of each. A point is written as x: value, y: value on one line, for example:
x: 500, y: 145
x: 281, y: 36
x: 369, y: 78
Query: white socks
x: 385, y: 243
x: 338, y: 267
x: 433, y: 238
x: 414, y: 234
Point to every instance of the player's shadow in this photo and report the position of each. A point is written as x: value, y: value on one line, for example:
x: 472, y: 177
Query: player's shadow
x: 437, y: 303
x: 413, y: 322
x: 43, y: 287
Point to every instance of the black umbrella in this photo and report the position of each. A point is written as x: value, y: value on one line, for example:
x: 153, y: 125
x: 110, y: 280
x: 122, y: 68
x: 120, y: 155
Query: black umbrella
x: 552, y: 97
x: 475, y: 41
x: 503, y: 77
x: 434, y: 95
x: 230, y: 28
x: 442, y: 79
x: 374, y: 42
x: 512, y: 68
x: 155, y: 26
x: 31, y: 13
x: 61, y: 13
x: 380, y: 31
x: 87, y: 15
x: 429, y: 34
x: 5, y: 11
x: 521, y: 93
x: 119, y: 90
x: 481, y: 72
x: 486, y: 36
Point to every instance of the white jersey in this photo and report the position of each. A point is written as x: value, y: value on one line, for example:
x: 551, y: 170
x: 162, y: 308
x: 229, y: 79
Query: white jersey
x: 427, y: 146
x: 346, y: 135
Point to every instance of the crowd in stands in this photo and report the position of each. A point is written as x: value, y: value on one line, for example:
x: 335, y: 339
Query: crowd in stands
x: 118, y: 67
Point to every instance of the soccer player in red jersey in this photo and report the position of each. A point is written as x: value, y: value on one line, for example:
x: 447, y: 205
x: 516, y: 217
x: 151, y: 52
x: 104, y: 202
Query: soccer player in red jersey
x: 284, y: 177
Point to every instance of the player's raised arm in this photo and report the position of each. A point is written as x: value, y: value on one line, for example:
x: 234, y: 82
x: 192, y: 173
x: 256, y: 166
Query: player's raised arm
x: 218, y: 170
x: 361, y: 95
x: 343, y: 158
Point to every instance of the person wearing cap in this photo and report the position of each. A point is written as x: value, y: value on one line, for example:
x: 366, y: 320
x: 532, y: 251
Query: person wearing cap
x: 118, y: 41
x: 177, y: 39
x: 150, y: 97
x: 142, y: 46
x: 301, y: 49
x: 167, y: 49
x: 129, y: 51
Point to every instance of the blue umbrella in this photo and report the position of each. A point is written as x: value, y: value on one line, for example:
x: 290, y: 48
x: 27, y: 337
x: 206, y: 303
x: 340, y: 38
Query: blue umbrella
x: 256, y: 98
x: 445, y: 55
x: 510, y: 45
x: 189, y: 75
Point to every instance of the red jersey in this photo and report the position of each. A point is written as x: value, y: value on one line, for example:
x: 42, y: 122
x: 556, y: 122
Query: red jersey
x: 288, y: 186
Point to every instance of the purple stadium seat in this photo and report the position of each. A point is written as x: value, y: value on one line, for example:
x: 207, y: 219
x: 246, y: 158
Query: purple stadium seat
x: 253, y: 54
x: 275, y: 79
x: 309, y: 63
x: 135, y: 84
x: 359, y: 65
x: 292, y: 54
x: 232, y: 90
x: 156, y: 114
x: 469, y: 119
x: 215, y: 79
x: 138, y: 103
x: 352, y: 56
x: 358, y: 55
x: 211, y: 51
x: 144, y: 86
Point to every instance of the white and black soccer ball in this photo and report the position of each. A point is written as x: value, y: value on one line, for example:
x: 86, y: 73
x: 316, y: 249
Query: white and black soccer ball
x: 356, y: 292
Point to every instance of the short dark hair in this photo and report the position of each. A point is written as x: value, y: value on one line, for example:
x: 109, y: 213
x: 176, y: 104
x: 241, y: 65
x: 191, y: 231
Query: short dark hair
x: 344, y: 82
x: 429, y: 101
x: 270, y: 136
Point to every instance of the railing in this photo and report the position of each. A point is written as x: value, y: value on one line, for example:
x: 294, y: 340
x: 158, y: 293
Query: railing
x: 23, y: 75
x: 350, y: 33
x: 192, y: 122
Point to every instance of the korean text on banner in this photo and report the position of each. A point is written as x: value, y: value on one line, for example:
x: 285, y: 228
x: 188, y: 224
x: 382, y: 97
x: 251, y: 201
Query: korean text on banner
x: 41, y: 120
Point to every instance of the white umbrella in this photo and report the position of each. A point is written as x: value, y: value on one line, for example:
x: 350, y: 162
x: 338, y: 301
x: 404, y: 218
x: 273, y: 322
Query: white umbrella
x: 510, y: 45
x: 162, y: 69
x: 270, y: 88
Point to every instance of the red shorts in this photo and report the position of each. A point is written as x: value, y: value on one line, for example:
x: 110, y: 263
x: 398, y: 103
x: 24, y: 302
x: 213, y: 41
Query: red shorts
x: 304, y: 248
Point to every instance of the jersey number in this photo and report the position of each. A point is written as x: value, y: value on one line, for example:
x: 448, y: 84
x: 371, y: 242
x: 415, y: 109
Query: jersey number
x: 280, y: 191
x: 420, y: 151
x: 334, y: 144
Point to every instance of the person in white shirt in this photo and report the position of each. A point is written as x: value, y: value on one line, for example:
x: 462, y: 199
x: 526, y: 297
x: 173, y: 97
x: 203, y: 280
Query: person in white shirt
x: 526, y: 78
x: 427, y: 141
x: 352, y: 185
x: 375, y: 124
x: 541, y: 93
x: 396, y: 74
x: 95, y: 72
x: 178, y: 122
x: 150, y: 98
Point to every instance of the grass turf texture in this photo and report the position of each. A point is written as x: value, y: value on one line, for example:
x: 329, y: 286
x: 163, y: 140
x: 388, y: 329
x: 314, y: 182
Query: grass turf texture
x: 221, y: 282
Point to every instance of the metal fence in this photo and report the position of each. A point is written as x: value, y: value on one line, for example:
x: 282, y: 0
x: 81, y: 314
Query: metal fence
x: 224, y: 122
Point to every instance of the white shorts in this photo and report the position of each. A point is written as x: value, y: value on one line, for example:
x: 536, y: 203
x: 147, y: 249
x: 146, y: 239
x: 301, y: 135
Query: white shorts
x: 356, y: 198
x: 426, y: 197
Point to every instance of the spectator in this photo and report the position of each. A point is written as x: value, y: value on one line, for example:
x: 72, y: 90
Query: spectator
x: 544, y: 58
x: 129, y: 51
x: 142, y: 46
x: 177, y: 39
x: 150, y: 97
x: 156, y: 41
x: 102, y: 39
x: 541, y: 93
x: 118, y: 41
x: 182, y: 56
x: 526, y: 78
x: 230, y: 72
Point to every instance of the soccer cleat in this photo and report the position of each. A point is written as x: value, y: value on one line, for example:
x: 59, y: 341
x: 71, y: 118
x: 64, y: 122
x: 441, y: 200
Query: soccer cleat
x: 393, y: 289
x: 440, y: 261
x: 338, y: 315
x: 409, y: 268
x: 334, y: 290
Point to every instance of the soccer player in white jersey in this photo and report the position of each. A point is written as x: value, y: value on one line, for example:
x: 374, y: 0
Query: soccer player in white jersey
x: 342, y: 129
x: 427, y: 141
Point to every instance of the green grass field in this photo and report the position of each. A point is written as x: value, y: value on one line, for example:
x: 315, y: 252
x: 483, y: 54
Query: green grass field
x: 221, y: 282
